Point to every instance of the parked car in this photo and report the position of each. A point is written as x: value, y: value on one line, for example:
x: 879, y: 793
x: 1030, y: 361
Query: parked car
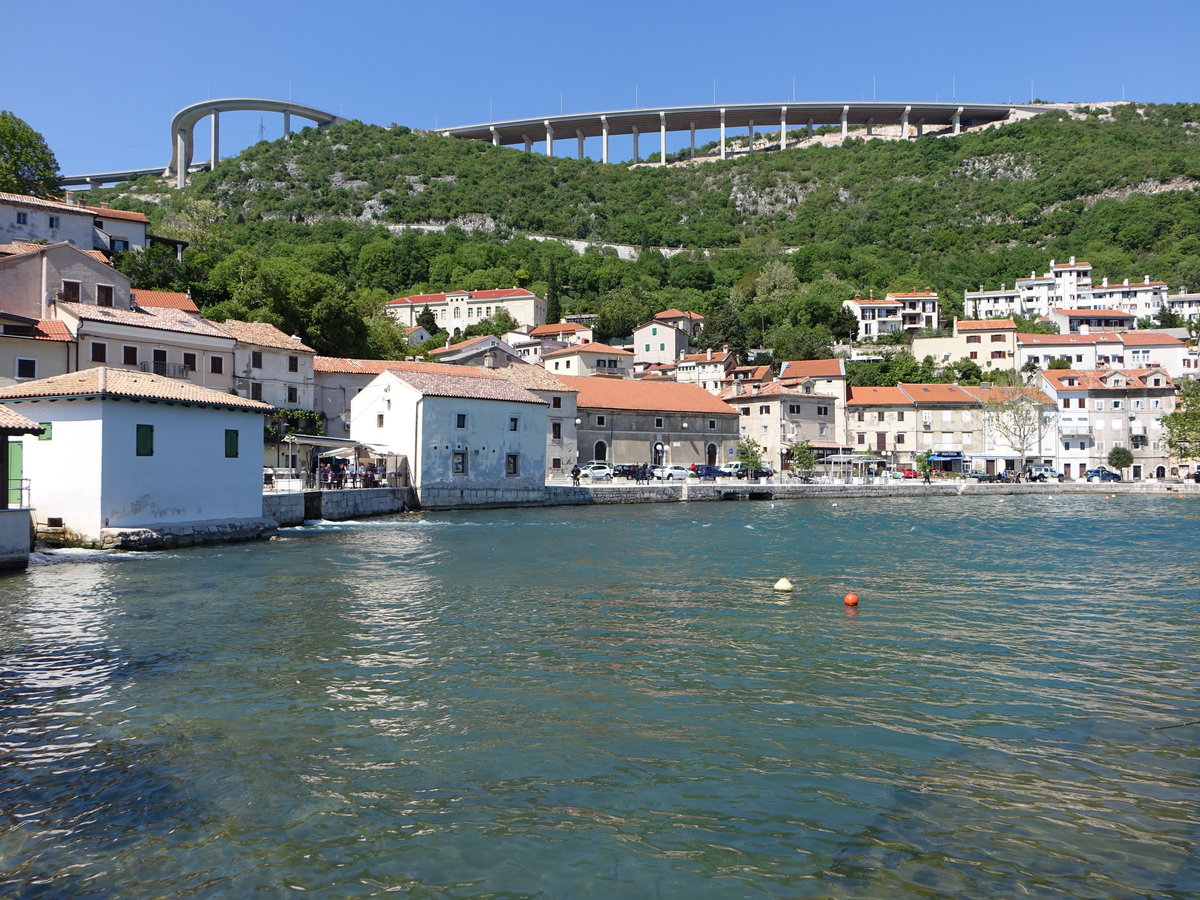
x: 597, y: 471
x: 980, y: 475
x: 1101, y: 474
x: 626, y: 470
x: 670, y: 473
x: 707, y: 472
x: 1043, y: 473
x: 910, y: 473
x: 731, y: 468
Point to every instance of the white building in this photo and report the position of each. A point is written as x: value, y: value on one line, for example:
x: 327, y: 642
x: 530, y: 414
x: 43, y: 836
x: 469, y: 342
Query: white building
x: 659, y: 342
x: 470, y: 437
x: 134, y: 449
x: 874, y: 317
x: 709, y: 369
x: 25, y: 218
x: 589, y: 359
x: 271, y: 366
x: 458, y: 309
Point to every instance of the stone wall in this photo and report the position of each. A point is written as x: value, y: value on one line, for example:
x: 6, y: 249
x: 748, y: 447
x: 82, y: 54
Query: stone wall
x: 464, y: 498
x: 168, y: 535
x: 295, y: 509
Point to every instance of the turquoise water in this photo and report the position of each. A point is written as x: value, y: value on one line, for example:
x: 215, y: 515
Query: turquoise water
x: 612, y: 702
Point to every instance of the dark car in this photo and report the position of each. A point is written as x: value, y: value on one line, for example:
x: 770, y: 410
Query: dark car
x: 707, y: 472
x: 1102, y: 475
x: 626, y: 470
x: 755, y: 473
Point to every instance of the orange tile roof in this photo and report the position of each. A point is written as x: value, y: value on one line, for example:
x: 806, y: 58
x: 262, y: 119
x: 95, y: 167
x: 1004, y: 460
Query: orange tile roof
x: 877, y: 396
x: 461, y: 345
x: 465, y: 385
x: 1000, y: 394
x: 1096, y: 337
x: 165, y: 299
x: 52, y: 330
x: 107, y: 382
x: 1097, y: 288
x: 1072, y: 265
x: 499, y: 294
x: 558, y: 328
x: 775, y: 390
x: 703, y: 357
x: 673, y: 313
x: 341, y: 365
x: 915, y: 295
x: 263, y: 334
x: 938, y: 393
x: 645, y: 395
x: 987, y: 325
x: 56, y: 205
x: 1097, y: 379
x: 97, y: 255
x: 127, y: 215
x: 1149, y: 338
x: 859, y: 301
x: 13, y: 423
x: 588, y: 348
x: 812, y: 368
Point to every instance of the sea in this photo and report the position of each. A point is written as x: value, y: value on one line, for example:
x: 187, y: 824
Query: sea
x: 614, y: 702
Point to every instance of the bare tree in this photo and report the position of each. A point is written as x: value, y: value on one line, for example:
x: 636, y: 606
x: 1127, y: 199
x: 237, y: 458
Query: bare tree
x: 1021, y: 416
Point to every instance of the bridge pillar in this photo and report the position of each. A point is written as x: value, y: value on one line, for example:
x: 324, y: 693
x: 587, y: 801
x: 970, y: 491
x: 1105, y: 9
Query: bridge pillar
x: 958, y: 120
x: 845, y: 122
x: 722, y: 133
x: 870, y: 125
x: 287, y: 123
x: 693, y: 143
x: 662, y: 138
x: 750, y: 137
x: 96, y: 182
x: 636, y: 158
x: 549, y: 138
x: 810, y: 127
x: 783, y: 128
x: 495, y: 136
x: 604, y: 139
x: 920, y: 127
x: 528, y: 143
x: 904, y: 123
x: 579, y: 134
x: 215, y: 155
x: 181, y: 158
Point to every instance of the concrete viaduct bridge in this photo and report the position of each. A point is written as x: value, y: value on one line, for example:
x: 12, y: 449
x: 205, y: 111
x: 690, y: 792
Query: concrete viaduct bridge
x: 183, y: 128
x: 913, y: 119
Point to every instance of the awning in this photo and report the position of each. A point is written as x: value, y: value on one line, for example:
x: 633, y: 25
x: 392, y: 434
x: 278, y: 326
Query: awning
x: 946, y: 457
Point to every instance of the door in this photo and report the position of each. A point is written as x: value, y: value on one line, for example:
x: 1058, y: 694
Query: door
x: 711, y: 455
x: 881, y: 441
x: 15, y: 472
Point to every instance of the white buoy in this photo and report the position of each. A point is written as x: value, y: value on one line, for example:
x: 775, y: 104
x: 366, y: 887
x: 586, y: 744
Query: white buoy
x: 783, y: 586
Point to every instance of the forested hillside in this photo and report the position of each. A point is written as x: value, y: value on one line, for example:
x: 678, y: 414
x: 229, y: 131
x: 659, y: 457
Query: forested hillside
x: 305, y: 232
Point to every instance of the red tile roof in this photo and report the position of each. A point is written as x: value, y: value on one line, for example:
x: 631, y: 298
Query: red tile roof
x: 13, y: 423
x: 56, y: 205
x: 105, y: 382
x: 558, y: 328
x: 1096, y: 288
x: 1095, y: 313
x: 123, y: 214
x: 52, y: 330
x: 1149, y: 338
x: 1072, y: 265
x: 165, y: 299
x: 98, y: 255
x: 461, y: 345
x: 645, y: 395
x: 859, y: 301
x: 673, y: 313
x: 812, y: 368
x: 717, y: 357
x: 500, y: 294
x: 877, y: 396
x: 1000, y: 394
x: 916, y: 295
x: 593, y: 347
x: 165, y: 319
x: 1096, y: 337
x: 1099, y: 379
x: 987, y: 325
x: 939, y: 393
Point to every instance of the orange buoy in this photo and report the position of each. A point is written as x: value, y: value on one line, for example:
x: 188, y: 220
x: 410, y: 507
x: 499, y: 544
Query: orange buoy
x: 851, y: 599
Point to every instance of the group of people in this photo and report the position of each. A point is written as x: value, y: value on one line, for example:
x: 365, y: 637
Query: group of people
x: 335, y: 475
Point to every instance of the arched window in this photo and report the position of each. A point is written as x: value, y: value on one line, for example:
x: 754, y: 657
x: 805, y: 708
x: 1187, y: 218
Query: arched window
x: 710, y: 454
x: 600, y: 453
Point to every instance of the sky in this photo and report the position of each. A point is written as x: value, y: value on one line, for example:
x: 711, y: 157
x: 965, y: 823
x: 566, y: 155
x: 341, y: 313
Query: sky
x: 106, y: 102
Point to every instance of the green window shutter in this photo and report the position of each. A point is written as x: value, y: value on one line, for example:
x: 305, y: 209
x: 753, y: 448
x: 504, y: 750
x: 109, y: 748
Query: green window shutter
x: 48, y: 434
x: 231, y: 443
x: 145, y: 440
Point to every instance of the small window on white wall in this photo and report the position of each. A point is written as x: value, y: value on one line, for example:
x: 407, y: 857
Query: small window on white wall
x: 26, y: 369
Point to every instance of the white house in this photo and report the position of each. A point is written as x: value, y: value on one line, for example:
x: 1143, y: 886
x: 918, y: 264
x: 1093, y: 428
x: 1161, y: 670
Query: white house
x: 26, y: 218
x: 660, y: 342
x: 589, y: 359
x: 458, y: 309
x: 125, y: 449
x: 470, y: 437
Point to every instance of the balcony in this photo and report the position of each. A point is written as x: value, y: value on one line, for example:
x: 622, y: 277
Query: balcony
x: 1075, y: 429
x: 170, y: 370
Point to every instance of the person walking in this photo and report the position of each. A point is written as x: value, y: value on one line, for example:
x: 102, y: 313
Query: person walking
x: 927, y: 481
x: 575, y: 475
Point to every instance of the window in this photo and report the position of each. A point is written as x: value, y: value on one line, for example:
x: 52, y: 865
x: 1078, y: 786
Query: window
x: 70, y: 289
x: 129, y: 355
x: 822, y: 410
x: 256, y: 359
x: 256, y: 390
x: 712, y: 424
x: 104, y: 295
x: 379, y: 420
x: 160, y: 361
x: 599, y: 420
x: 231, y: 443
x: 512, y: 463
x: 1098, y: 406
x: 556, y: 402
x: 22, y: 218
x: 794, y: 409
x: 974, y: 338
x: 899, y: 415
x: 647, y: 348
x: 556, y: 431
x: 899, y: 437
x: 974, y: 354
x: 514, y: 423
x: 99, y: 352
x: 997, y: 338
x: 145, y: 440
x: 293, y: 364
x: 744, y: 410
x: 48, y: 434
x: 26, y: 368
x: 879, y: 416
x: 556, y: 462
x: 293, y: 395
x: 55, y: 222
x: 653, y: 331
x: 459, y: 462
x: 662, y: 346
x: 658, y: 422
x: 189, y: 361
x: 862, y: 415
x: 460, y: 420
x: 1117, y: 404
x: 862, y: 437
x: 216, y: 365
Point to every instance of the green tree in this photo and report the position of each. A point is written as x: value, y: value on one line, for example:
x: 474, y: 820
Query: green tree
x: 1120, y: 458
x: 553, y: 305
x: 428, y: 320
x: 1019, y: 418
x: 1059, y: 362
x: 1183, y: 425
x: 749, y: 453
x: 924, y: 466
x: 26, y: 164
x: 802, y: 457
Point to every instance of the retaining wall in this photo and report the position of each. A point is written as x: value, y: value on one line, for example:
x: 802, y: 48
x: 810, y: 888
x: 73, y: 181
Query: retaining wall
x: 16, y: 538
x: 294, y: 509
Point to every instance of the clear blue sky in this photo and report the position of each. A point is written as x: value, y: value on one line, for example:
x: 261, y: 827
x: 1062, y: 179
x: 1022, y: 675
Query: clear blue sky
x: 104, y: 87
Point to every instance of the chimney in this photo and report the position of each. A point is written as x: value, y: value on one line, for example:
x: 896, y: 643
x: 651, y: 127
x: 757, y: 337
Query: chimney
x: 70, y: 198
x: 1051, y: 264
x: 105, y: 205
x: 709, y: 353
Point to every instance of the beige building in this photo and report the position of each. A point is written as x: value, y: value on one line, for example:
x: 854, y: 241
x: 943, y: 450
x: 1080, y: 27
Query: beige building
x: 32, y: 280
x: 271, y: 366
x: 562, y: 448
x: 990, y: 343
x: 777, y: 417
x: 589, y: 359
x: 709, y: 369
x: 32, y: 349
x: 659, y: 422
x: 899, y: 422
x: 458, y: 309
